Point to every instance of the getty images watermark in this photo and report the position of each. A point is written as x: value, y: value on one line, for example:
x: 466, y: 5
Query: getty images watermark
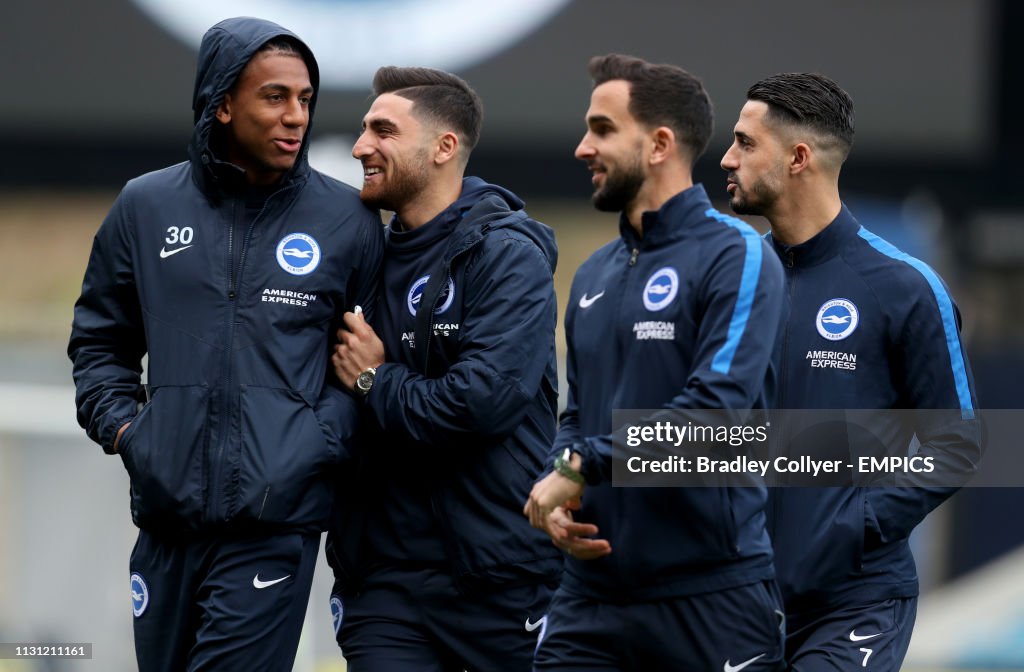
x: 826, y: 448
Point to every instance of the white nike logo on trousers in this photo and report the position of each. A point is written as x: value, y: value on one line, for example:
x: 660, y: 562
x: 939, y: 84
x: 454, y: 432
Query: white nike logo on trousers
x: 530, y: 627
x: 854, y: 637
x: 737, y: 668
x: 259, y: 585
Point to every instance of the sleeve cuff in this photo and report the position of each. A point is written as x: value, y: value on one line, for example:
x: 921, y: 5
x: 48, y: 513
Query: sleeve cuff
x: 591, y: 466
x: 115, y: 427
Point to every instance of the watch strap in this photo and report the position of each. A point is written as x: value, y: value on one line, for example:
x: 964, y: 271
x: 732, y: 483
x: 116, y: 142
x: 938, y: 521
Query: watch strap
x: 564, y: 467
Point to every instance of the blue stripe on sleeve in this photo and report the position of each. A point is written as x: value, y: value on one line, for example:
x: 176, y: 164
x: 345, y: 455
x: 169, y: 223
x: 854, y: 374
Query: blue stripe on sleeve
x: 956, y: 356
x: 745, y: 297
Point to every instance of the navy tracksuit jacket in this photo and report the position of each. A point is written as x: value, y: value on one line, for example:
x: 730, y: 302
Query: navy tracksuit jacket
x: 682, y: 318
x: 868, y: 327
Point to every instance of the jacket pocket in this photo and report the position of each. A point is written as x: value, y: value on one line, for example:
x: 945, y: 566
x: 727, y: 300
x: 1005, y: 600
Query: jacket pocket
x: 860, y: 511
x: 284, y: 460
x: 124, y: 444
x: 478, y: 509
x: 820, y: 539
x: 730, y: 538
x: 521, y: 460
x: 710, y: 534
x: 163, y: 451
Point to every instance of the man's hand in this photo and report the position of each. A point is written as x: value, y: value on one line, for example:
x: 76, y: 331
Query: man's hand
x: 550, y: 507
x: 572, y: 537
x: 358, y: 349
x: 550, y: 492
x: 117, y: 439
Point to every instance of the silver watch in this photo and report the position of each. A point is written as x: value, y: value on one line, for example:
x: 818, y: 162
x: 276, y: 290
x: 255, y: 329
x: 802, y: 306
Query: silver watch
x: 364, y: 381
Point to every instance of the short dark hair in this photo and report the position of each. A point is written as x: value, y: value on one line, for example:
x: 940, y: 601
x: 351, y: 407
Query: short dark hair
x: 283, y: 44
x: 287, y: 45
x: 810, y: 100
x: 661, y: 95
x: 437, y: 96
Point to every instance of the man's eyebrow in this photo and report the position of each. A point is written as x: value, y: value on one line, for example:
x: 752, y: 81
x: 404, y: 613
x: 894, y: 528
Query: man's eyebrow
x: 274, y: 86
x: 378, y: 122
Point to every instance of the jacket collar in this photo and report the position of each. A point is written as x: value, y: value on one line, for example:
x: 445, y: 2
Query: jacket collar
x: 822, y: 247
x: 463, y: 223
x: 668, y: 222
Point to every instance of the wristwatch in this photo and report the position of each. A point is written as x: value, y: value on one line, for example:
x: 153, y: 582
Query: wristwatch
x: 564, y: 467
x: 364, y: 381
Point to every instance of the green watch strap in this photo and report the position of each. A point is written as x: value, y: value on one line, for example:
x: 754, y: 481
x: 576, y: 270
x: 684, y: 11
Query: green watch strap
x: 563, y: 467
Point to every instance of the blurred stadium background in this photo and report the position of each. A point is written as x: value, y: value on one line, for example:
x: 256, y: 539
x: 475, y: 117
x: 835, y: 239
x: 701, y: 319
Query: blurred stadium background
x: 99, y: 92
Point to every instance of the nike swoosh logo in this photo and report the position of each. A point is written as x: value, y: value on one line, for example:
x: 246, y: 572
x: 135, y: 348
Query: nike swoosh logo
x: 587, y: 302
x: 854, y: 637
x: 530, y: 627
x: 260, y: 585
x: 164, y: 252
x: 737, y: 668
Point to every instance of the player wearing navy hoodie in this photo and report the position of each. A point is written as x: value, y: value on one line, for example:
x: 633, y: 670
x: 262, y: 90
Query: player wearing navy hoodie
x: 869, y: 328
x: 230, y: 271
x: 435, y: 568
x: 682, y: 579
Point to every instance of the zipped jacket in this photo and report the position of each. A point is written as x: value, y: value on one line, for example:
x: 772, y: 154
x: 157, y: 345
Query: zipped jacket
x: 470, y: 420
x: 869, y: 327
x: 682, y: 318
x: 242, y: 427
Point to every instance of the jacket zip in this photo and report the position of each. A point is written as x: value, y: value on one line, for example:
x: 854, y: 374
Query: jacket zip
x: 626, y: 345
x: 222, y: 393
x: 430, y: 320
x: 234, y: 282
x: 435, y: 505
x: 783, y: 399
x: 622, y: 341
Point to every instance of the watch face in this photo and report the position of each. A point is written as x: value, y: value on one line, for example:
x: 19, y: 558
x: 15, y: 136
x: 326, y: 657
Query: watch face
x: 365, y: 381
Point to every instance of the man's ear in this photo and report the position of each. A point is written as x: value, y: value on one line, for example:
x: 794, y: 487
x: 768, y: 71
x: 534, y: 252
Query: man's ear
x: 800, y: 158
x: 447, y: 148
x: 663, y: 144
x: 224, y: 110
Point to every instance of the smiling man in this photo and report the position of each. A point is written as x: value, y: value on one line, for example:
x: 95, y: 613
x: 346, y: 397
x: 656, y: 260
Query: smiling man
x: 680, y: 313
x: 435, y: 568
x: 231, y: 271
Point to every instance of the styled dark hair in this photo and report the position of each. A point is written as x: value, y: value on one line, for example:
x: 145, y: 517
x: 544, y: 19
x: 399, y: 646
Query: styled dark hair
x: 288, y: 45
x: 661, y: 95
x: 437, y: 96
x: 812, y: 101
x: 283, y: 44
